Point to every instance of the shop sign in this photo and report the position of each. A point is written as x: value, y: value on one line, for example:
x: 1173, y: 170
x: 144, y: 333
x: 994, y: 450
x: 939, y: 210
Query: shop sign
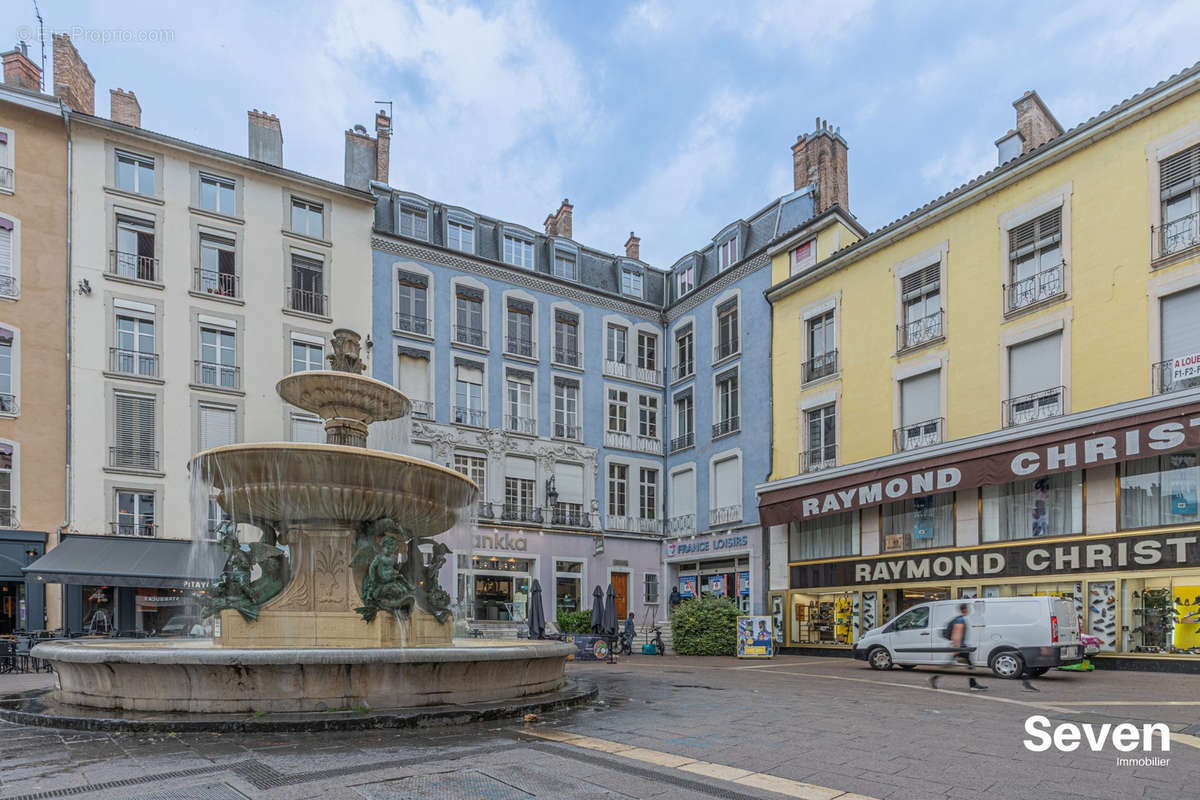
x: 996, y: 465
x: 1029, y: 559
x: 155, y: 600
x: 1185, y: 367
x: 500, y: 540
x: 709, y: 545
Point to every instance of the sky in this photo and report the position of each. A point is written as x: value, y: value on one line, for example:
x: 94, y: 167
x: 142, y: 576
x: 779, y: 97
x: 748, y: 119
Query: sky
x: 670, y: 118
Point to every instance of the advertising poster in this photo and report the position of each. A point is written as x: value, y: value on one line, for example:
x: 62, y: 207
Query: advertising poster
x: 755, y: 637
x: 687, y: 587
x: 922, y: 518
x: 743, y: 584
x: 716, y: 585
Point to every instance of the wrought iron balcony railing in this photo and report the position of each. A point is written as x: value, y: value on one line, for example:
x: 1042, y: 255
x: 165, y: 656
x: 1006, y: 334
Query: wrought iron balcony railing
x: 568, y: 357
x: 223, y: 376
x: 134, y: 527
x: 564, y: 431
x: 516, y: 346
x: 9, y: 286
x: 525, y: 425
x: 132, y: 362
x: 9, y: 404
x: 918, y: 434
x: 921, y: 331
x: 818, y: 458
x: 727, y: 426
x: 306, y: 301
x: 821, y: 366
x: 683, y: 441
x: 472, y: 337
x: 684, y: 369
x: 680, y: 525
x: 6, y: 178
x: 1045, y: 285
x: 727, y: 348
x: 1034, y: 406
x: 521, y: 513
x: 218, y: 284
x: 725, y: 515
x: 470, y: 416
x: 1176, y: 236
x: 133, y: 266
x: 1175, y: 374
x: 407, y: 323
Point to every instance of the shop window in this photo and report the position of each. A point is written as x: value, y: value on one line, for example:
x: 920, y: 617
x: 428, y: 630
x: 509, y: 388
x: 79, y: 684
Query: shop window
x: 1158, y: 616
x: 99, y: 609
x: 495, y: 588
x: 1160, y: 490
x: 1046, y: 506
x: 823, y: 619
x: 824, y: 537
x: 568, y: 586
x: 918, y: 524
x: 1102, y: 613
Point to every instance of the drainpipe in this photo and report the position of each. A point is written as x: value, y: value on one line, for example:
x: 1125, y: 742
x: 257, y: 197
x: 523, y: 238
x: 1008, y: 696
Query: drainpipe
x: 764, y: 529
x: 66, y: 112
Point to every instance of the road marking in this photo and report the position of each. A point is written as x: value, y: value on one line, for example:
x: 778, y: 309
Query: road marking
x: 1186, y: 738
x: 779, y: 665
x: 1131, y: 703
x: 724, y: 772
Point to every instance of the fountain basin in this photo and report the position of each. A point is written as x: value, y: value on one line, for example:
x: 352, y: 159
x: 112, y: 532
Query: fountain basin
x: 193, y: 676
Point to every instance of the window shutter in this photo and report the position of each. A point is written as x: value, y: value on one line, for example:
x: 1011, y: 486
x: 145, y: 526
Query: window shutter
x: 133, y: 434
x: 568, y: 482
x: 728, y: 489
x: 414, y: 377
x: 1036, y: 233
x: 470, y: 374
x: 920, y: 398
x: 516, y: 467
x: 307, y: 429
x: 1179, y: 172
x: 218, y: 427
x: 915, y: 284
x: 6, y: 248
x: 1181, y: 324
x: 1036, y: 365
x: 683, y: 493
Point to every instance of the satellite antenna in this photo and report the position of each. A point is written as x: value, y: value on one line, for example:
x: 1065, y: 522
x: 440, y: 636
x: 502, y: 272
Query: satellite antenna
x: 387, y: 103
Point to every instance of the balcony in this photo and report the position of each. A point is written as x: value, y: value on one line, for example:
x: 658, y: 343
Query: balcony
x: 568, y: 357
x: 6, y: 178
x: 132, y: 362
x: 525, y: 348
x: 133, y: 266
x: 563, y: 431
x: 621, y: 369
x: 474, y: 417
x: 418, y: 326
x: 816, y: 459
x: 629, y: 441
x: 568, y: 515
x: 725, y: 349
x: 521, y: 513
x: 632, y: 524
x: 684, y: 369
x: 726, y: 515
x: 422, y: 409
x: 8, y: 517
x: 919, y: 332
x: 306, y: 301
x: 1043, y: 287
x: 727, y: 426
x: 221, y: 376
x: 917, y: 435
x: 133, y: 527
x: 683, y: 442
x: 1034, y: 406
x: 9, y: 404
x: 1176, y: 236
x: 471, y: 337
x: 681, y: 525
x: 133, y: 458
x: 217, y: 284
x: 522, y: 425
x: 1176, y: 374
x: 821, y: 366
x: 8, y: 286
x: 484, y: 510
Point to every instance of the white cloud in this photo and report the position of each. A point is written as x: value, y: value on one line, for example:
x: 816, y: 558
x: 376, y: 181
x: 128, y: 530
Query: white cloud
x: 969, y: 158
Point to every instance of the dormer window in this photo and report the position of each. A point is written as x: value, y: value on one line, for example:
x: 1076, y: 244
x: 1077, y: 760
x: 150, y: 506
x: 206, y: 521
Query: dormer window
x: 727, y: 253
x: 518, y: 251
x: 460, y: 235
x: 631, y: 282
x: 565, y: 265
x: 414, y: 221
x: 685, y: 279
x: 804, y: 256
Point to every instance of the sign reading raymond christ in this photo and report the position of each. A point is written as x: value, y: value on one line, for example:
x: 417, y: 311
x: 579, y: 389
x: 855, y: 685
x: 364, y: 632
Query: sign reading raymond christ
x: 1035, y: 558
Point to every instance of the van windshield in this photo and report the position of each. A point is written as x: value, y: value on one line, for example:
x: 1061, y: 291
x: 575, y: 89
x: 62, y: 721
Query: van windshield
x: 911, y: 620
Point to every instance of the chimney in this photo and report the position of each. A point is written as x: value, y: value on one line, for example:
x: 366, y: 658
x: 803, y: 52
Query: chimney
x: 383, y: 147
x: 361, y: 158
x: 559, y: 223
x: 1035, y: 123
x: 632, y: 247
x: 820, y: 158
x: 124, y: 107
x: 266, y: 138
x: 73, y: 81
x: 19, y: 71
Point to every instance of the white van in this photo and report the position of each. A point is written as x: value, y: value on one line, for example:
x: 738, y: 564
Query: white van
x: 1005, y: 634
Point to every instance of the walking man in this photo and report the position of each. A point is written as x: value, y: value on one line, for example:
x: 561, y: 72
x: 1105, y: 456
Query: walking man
x: 956, y: 632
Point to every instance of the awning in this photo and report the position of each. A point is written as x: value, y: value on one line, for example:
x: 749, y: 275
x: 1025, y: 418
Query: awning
x: 128, y: 561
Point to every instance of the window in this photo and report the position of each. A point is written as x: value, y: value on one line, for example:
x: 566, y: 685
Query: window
x: 728, y: 414
x: 518, y: 497
x: 648, y: 493
x: 134, y: 256
x: 726, y: 496
x: 8, y: 394
x: 647, y: 351
x: 414, y: 222
x: 217, y: 426
x: 618, y: 490
x: 518, y: 252
x: 728, y: 342
x: 685, y: 432
x: 568, y: 586
x: 135, y: 513
x: 134, y: 436
x: 685, y: 280
x: 566, y: 339
x: 921, y: 300
x: 1035, y: 388
x: 518, y: 335
x: 468, y: 316
x: 217, y: 272
x: 1160, y: 490
x: 648, y: 416
x: 566, y: 410
x: 727, y: 254
x: 218, y: 195
x: 683, y: 502
x: 468, y: 395
x: 617, y: 337
x: 460, y: 236
x: 8, y: 258
x: 631, y: 283
x: 475, y: 468
x: 306, y: 355
x: 1035, y: 261
x: 1179, y: 184
x: 920, y: 405
x: 412, y: 303
x: 564, y: 265
x: 218, y: 358
x: 308, y: 218
x: 915, y: 620
x: 217, y: 517
x: 650, y: 586
x: 822, y: 347
x: 685, y: 361
x: 618, y: 410
x: 8, y: 507
x: 6, y: 164
x: 306, y: 293
x: 821, y: 438
x: 307, y: 428
x: 413, y: 374
x: 519, y: 405
x: 1027, y: 509
x: 135, y: 173
x: 831, y: 536
x: 804, y: 256
x: 919, y: 524
x: 134, y: 353
x: 1180, y: 367
x: 566, y: 500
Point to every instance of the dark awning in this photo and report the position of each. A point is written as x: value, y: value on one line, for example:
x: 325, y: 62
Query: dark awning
x: 128, y: 561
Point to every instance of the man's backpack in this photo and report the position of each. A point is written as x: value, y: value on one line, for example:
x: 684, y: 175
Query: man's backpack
x: 948, y: 632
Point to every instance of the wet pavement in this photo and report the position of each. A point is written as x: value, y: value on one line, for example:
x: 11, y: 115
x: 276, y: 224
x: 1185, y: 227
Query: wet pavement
x: 667, y: 727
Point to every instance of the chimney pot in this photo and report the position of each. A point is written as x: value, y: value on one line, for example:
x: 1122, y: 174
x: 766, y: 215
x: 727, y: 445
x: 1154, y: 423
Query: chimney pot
x: 73, y: 81
x: 633, y: 247
x: 383, y: 146
x: 19, y: 71
x: 1035, y: 123
x: 559, y: 223
x: 820, y: 159
x: 265, y: 137
x: 124, y: 107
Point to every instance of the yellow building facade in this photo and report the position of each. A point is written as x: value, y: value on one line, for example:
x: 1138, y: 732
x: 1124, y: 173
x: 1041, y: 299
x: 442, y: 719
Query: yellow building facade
x: 1051, y: 298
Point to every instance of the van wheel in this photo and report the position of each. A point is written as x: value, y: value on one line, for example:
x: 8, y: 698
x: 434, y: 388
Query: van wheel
x: 1007, y: 664
x: 879, y: 658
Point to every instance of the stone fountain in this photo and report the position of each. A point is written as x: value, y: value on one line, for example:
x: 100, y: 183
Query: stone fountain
x: 346, y: 609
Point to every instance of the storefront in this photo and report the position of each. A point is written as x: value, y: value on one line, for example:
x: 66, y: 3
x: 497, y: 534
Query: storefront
x: 1100, y: 509
x: 22, y: 605
x: 724, y: 564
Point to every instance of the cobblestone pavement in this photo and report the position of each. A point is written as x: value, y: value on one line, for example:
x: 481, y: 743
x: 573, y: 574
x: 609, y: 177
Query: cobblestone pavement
x: 667, y: 728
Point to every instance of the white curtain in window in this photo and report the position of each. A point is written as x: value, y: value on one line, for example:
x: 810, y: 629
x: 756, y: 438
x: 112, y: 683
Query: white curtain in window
x: 824, y: 537
x: 1160, y: 490
x: 1048, y: 506
x: 683, y: 493
x: 1034, y: 366
x: 568, y: 482
x: 924, y: 521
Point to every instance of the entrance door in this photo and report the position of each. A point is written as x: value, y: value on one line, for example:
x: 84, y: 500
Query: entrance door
x: 10, y: 607
x: 620, y: 582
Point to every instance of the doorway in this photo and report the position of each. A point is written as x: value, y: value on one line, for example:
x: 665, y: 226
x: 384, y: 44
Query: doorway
x: 620, y: 583
x: 12, y: 607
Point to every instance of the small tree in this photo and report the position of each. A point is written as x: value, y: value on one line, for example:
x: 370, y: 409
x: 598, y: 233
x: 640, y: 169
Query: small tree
x: 574, y: 621
x: 706, y: 626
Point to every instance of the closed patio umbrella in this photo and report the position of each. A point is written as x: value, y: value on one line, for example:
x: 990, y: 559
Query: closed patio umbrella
x: 597, y: 610
x: 537, y: 617
x: 610, y: 612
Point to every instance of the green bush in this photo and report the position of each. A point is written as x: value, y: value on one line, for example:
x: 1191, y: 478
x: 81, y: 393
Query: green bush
x: 706, y: 626
x: 574, y: 621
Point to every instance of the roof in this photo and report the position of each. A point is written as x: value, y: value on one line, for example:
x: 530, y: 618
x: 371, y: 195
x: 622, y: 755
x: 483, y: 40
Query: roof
x: 128, y: 561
